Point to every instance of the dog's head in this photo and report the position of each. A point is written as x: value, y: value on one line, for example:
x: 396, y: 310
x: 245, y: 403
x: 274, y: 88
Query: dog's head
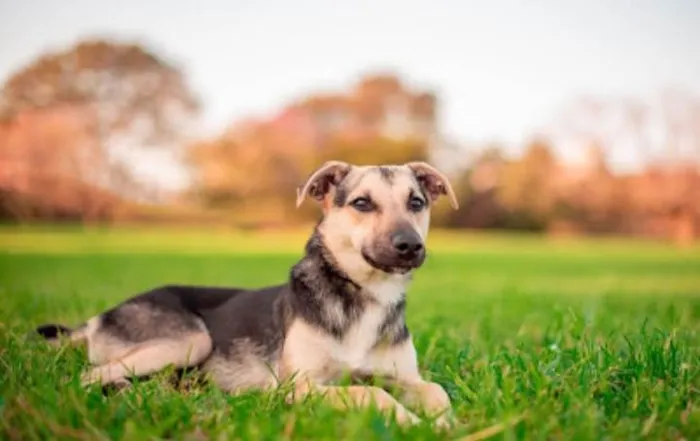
x: 376, y: 217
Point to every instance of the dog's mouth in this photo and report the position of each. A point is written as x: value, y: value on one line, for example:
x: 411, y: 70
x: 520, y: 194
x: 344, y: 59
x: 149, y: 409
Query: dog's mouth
x: 394, y: 265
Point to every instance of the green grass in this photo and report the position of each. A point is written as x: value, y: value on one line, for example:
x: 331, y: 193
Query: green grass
x: 578, y: 340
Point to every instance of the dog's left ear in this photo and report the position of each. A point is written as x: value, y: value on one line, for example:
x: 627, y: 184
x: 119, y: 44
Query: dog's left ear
x: 433, y: 182
x: 320, y: 182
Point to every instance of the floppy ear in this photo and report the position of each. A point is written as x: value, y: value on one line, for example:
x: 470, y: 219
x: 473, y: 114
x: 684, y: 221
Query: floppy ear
x: 433, y: 182
x: 320, y: 182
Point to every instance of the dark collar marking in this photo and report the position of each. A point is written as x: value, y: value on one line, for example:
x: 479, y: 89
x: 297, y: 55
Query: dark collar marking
x: 393, y: 329
x: 319, y: 288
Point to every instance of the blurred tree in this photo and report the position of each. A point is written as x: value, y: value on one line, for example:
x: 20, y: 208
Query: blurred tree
x: 127, y: 94
x: 526, y: 189
x: 590, y: 198
x: 242, y: 170
x: 664, y: 135
x: 48, y: 149
x: 476, y: 185
x: 249, y: 171
x: 665, y: 130
x: 255, y: 168
x: 373, y: 150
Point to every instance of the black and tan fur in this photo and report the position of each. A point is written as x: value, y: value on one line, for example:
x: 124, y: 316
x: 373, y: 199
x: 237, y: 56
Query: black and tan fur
x: 341, y: 312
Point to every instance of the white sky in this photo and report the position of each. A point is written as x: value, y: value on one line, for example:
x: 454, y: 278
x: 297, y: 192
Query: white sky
x: 502, y: 68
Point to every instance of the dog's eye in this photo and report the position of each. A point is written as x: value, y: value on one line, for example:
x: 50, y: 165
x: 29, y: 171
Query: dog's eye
x: 362, y: 204
x: 416, y: 204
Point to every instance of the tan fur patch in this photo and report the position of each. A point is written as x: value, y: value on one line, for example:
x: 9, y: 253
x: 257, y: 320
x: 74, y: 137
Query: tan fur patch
x: 245, y: 369
x: 152, y: 356
x: 102, y: 347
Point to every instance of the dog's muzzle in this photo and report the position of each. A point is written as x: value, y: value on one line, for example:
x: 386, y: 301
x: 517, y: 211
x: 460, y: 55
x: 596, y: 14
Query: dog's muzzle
x: 408, y: 246
x: 404, y: 253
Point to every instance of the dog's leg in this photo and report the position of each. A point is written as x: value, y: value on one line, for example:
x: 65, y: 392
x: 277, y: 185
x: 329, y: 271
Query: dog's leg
x: 151, y: 356
x: 358, y: 396
x: 306, y: 363
x: 430, y: 397
x: 398, y: 365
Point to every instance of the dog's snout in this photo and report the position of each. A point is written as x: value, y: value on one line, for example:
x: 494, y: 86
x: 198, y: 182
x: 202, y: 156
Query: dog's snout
x: 407, y: 243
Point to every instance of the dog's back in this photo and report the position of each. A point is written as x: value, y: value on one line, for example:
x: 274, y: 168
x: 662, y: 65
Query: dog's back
x: 170, y: 305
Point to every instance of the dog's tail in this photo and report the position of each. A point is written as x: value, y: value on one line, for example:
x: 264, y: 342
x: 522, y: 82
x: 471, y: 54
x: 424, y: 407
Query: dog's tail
x: 55, y: 332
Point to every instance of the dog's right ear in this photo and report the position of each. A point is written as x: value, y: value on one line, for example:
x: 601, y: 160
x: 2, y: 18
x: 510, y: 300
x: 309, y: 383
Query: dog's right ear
x: 320, y: 182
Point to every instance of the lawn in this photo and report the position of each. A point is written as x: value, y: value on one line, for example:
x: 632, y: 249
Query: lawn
x: 532, y: 338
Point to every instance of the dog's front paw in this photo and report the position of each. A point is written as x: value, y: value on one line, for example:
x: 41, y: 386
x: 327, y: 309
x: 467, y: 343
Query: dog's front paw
x: 406, y: 418
x: 121, y: 384
x: 445, y: 422
x: 87, y: 379
x: 98, y: 375
x: 103, y: 375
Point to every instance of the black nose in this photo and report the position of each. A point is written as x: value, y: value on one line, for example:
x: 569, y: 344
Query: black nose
x: 408, y: 244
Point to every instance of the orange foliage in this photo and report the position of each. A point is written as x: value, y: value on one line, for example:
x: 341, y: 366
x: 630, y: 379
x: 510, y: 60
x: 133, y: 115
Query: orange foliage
x: 257, y: 166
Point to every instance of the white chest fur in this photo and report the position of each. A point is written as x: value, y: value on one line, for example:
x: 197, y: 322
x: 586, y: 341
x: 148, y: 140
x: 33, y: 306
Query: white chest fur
x: 323, y: 356
x: 353, y: 350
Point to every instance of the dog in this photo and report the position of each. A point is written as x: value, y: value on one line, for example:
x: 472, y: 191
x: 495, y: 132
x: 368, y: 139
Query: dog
x: 342, y: 310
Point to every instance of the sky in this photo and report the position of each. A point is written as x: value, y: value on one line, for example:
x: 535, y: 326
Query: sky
x: 502, y: 69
